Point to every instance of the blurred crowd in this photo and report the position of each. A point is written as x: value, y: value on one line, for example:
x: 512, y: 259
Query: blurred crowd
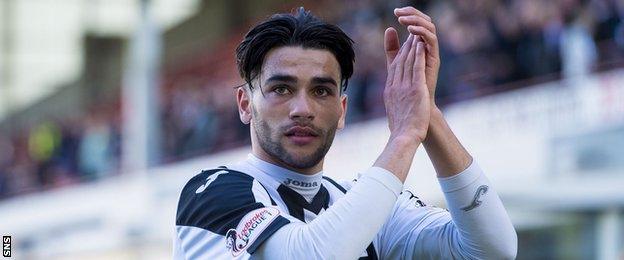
x: 60, y: 152
x: 487, y: 46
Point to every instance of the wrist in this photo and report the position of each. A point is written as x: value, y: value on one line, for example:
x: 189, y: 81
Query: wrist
x: 398, y: 155
x: 436, y: 116
x: 405, y: 140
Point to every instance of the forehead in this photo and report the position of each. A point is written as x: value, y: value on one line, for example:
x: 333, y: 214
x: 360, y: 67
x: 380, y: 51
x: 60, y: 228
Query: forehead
x: 301, y: 63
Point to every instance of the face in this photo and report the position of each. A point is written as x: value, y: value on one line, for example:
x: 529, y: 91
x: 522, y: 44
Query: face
x: 295, y: 116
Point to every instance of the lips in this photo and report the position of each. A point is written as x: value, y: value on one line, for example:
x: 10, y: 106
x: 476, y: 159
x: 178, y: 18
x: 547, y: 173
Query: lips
x: 300, y: 135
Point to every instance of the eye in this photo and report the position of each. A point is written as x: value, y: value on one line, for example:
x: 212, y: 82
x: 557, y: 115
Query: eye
x: 281, y: 89
x: 322, y: 92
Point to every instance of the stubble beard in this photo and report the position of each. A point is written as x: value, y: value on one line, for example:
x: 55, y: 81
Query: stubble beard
x: 272, y: 146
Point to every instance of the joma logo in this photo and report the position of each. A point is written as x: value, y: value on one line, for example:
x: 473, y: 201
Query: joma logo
x: 303, y: 184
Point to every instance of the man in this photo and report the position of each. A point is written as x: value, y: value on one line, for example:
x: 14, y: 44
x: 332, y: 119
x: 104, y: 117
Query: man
x: 278, y: 205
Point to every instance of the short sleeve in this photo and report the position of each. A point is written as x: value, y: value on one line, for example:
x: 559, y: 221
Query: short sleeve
x: 224, y: 213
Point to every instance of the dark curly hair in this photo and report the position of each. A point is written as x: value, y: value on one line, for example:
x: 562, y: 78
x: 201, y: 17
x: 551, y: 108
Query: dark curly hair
x: 298, y: 29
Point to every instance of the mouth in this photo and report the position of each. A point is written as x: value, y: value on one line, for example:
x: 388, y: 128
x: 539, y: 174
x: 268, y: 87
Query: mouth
x: 301, y: 135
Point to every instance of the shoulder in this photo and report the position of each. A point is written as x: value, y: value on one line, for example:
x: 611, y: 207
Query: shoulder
x: 219, y: 182
x: 223, y: 210
x: 212, y: 194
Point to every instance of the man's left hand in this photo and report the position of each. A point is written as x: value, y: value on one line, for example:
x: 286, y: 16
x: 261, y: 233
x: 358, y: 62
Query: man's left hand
x: 420, y: 24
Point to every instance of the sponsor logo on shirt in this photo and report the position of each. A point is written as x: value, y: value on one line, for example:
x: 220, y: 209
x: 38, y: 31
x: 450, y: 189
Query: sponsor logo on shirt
x: 249, y: 229
x: 303, y: 184
x: 415, y: 199
x: 209, y: 180
x: 476, y: 202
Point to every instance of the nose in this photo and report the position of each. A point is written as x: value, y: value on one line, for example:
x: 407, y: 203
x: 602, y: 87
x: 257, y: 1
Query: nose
x: 301, y: 108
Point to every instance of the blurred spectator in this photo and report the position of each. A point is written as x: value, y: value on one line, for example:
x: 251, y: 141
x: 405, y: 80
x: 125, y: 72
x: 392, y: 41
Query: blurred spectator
x: 43, y: 142
x: 194, y: 121
x: 20, y: 174
x: 95, y: 150
x: 6, y: 157
x: 578, y: 51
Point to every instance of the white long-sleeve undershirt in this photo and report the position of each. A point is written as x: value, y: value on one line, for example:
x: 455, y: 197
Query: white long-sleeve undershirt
x: 477, y: 226
x: 345, y: 229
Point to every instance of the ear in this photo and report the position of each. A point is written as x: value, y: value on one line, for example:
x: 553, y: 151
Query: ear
x: 343, y: 105
x: 243, y: 100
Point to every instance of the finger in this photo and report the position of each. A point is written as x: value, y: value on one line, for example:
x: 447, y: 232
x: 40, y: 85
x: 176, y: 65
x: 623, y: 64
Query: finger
x: 430, y: 38
x: 419, y: 64
x: 391, y: 45
x: 400, y: 60
x: 408, y: 67
x: 393, y: 66
x: 408, y: 10
x: 418, y: 21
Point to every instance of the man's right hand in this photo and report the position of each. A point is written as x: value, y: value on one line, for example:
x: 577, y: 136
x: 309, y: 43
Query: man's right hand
x: 406, y: 96
x: 407, y: 103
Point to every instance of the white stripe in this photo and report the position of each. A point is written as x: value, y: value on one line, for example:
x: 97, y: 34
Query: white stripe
x: 260, y: 194
x: 199, y: 243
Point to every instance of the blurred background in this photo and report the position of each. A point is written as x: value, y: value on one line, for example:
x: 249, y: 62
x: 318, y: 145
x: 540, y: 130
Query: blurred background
x: 107, y: 108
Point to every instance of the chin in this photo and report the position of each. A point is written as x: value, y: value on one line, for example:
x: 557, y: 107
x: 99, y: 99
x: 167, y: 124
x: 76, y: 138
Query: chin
x: 301, y: 160
x: 299, y: 154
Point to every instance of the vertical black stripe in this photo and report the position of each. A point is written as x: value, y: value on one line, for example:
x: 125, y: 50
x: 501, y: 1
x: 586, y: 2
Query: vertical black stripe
x: 372, y: 255
x: 291, y: 198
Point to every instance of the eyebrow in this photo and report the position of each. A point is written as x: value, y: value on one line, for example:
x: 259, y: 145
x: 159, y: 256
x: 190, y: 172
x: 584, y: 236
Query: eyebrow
x: 289, y: 78
x: 282, y: 77
x: 324, y: 80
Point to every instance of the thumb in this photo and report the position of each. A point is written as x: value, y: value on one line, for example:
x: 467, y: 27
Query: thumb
x: 391, y: 45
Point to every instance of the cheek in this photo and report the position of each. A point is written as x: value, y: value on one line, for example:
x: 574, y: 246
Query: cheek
x: 273, y: 110
x: 332, y: 114
x: 266, y: 114
x: 267, y: 120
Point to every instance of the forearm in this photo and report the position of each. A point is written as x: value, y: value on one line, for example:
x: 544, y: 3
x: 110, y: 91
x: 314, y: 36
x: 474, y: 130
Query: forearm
x: 447, y: 154
x: 345, y: 229
x: 398, y: 155
x: 479, y: 217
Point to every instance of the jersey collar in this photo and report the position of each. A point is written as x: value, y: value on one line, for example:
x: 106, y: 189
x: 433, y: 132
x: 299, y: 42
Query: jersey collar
x: 306, y: 185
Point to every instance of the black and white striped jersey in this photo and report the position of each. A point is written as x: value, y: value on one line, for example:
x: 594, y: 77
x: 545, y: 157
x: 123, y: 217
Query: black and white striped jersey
x: 229, y: 212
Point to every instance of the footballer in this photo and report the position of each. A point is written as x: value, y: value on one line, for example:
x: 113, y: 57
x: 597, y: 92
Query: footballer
x: 277, y: 203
